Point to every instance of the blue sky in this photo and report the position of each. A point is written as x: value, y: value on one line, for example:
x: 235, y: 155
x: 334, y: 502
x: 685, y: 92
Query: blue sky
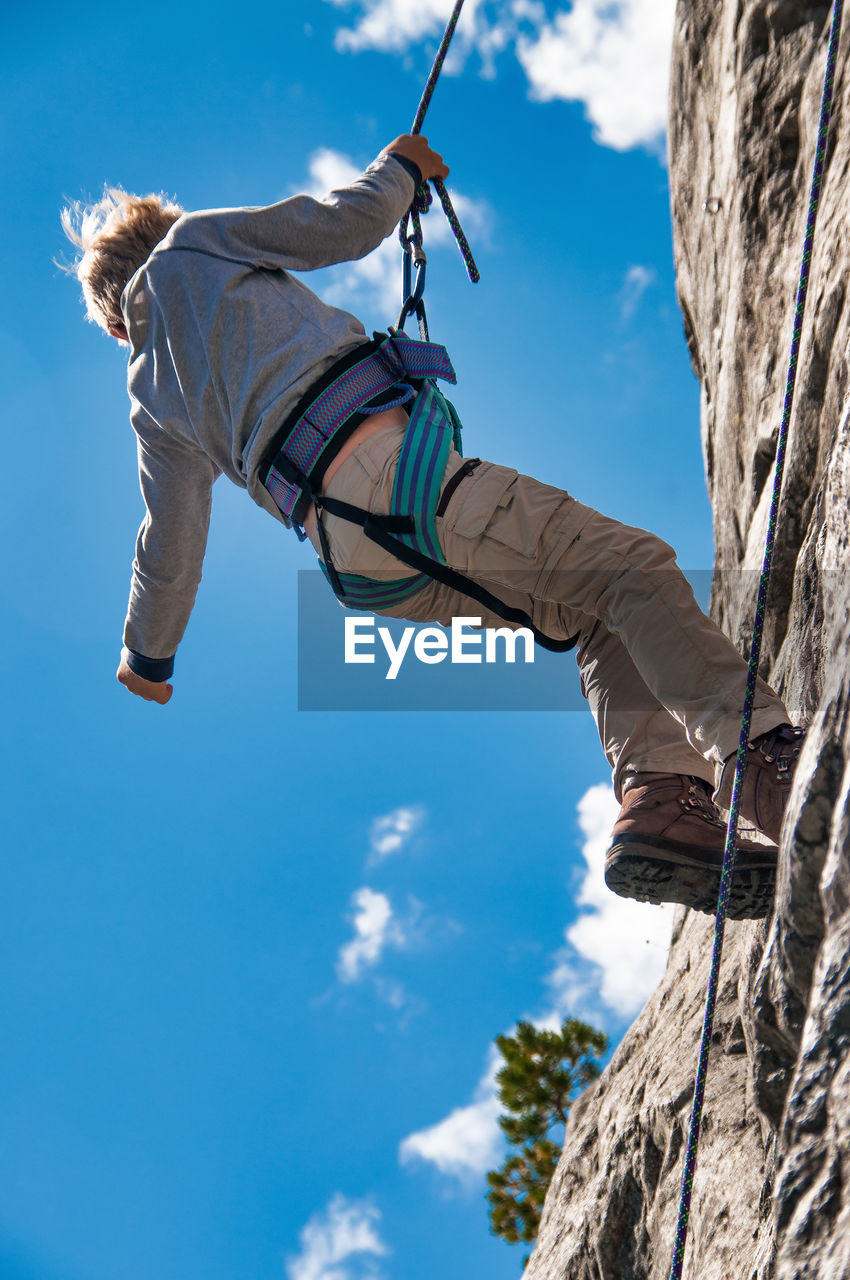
x: 254, y: 958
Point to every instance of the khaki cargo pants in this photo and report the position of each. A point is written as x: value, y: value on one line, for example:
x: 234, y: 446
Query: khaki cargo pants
x: 665, y: 685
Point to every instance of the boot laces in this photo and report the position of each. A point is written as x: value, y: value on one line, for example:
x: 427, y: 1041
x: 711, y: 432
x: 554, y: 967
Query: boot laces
x: 780, y: 746
x: 699, y: 801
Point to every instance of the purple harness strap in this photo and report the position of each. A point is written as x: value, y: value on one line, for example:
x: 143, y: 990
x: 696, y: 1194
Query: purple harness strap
x: 311, y: 438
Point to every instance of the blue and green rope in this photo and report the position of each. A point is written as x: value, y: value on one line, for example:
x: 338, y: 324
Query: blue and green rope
x: 752, y: 671
x: 422, y: 201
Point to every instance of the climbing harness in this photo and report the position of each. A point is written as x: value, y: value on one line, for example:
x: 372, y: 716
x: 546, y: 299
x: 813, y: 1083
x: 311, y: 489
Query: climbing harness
x: 391, y: 370
x: 752, y: 671
x: 377, y: 375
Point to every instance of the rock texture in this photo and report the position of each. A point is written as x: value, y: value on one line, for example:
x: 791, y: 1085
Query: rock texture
x: 772, y: 1194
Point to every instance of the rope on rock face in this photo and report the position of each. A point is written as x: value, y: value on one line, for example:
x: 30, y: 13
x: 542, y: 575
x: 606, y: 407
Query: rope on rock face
x: 752, y: 671
x: 422, y: 201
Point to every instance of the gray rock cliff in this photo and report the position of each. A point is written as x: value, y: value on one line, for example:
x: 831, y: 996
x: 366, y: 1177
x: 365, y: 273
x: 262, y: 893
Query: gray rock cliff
x: 772, y: 1192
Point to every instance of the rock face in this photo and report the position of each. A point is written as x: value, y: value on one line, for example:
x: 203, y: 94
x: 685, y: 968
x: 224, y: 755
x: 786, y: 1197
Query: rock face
x: 772, y: 1191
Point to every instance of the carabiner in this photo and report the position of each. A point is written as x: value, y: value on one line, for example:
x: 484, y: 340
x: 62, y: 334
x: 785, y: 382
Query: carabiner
x: 414, y: 293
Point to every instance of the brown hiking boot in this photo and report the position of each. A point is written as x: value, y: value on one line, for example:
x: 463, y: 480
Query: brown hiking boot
x: 667, y: 846
x: 771, y: 761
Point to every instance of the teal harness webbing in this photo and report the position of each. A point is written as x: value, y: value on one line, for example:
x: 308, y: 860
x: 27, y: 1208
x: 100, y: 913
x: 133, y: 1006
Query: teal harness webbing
x: 433, y: 429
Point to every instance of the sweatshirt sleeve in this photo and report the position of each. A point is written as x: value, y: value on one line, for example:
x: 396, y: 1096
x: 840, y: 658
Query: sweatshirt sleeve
x: 176, y: 480
x: 304, y: 233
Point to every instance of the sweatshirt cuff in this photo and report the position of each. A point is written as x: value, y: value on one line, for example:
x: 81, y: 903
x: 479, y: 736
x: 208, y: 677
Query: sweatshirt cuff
x: 157, y: 670
x: 410, y: 165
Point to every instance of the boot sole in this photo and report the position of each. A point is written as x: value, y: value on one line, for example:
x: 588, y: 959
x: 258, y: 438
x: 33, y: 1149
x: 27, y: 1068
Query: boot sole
x: 646, y: 872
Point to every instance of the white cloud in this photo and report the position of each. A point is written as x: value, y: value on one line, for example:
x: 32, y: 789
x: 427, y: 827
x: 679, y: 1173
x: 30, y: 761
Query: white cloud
x: 469, y: 1141
x: 375, y: 928
x: 375, y: 281
x: 611, y: 55
x: 393, y: 25
x: 638, y: 280
x: 346, y: 1230
x: 616, y: 947
x: 392, y: 993
x: 330, y: 169
x: 392, y: 831
x: 615, y: 953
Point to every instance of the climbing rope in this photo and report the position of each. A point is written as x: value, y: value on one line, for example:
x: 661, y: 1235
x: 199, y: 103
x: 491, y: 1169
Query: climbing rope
x: 411, y: 239
x: 752, y: 671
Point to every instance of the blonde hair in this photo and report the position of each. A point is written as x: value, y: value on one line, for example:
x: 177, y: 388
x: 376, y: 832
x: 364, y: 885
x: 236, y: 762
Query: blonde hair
x: 116, y: 235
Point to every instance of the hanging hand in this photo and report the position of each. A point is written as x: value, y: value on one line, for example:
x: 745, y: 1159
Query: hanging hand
x: 150, y: 690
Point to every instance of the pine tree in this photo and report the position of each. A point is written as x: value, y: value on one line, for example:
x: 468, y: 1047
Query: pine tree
x: 543, y: 1072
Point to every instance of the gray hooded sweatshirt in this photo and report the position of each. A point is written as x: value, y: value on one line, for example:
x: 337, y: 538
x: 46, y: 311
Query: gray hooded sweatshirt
x: 224, y: 343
